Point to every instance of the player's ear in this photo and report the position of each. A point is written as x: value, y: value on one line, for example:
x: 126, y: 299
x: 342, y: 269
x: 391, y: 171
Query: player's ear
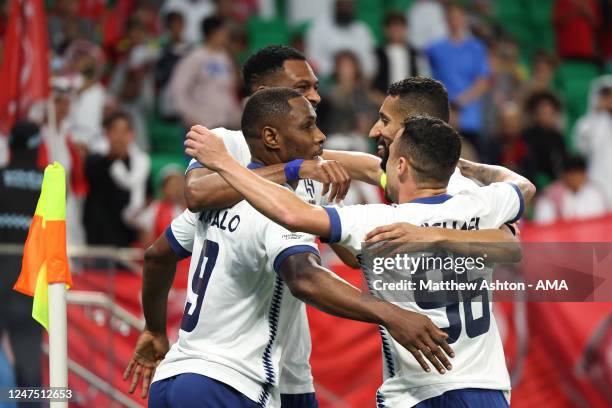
x: 403, y: 167
x: 270, y: 137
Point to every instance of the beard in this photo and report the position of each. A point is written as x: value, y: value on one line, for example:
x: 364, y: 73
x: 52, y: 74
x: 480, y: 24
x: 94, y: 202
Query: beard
x: 384, y: 155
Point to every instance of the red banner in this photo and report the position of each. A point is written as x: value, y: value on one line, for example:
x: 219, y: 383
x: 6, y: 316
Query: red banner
x: 25, y: 65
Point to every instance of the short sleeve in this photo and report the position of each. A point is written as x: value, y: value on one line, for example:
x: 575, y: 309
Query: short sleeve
x: 181, y: 233
x: 505, y: 201
x: 458, y: 182
x: 234, y: 143
x: 280, y: 243
x: 350, y: 224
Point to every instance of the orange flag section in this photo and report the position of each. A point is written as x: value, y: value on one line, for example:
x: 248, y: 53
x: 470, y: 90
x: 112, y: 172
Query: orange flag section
x: 44, y: 256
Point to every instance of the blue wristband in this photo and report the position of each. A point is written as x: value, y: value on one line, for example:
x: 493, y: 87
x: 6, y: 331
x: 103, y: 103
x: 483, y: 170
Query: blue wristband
x: 292, y: 170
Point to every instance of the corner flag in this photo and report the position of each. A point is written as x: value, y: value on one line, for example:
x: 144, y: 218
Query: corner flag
x: 44, y: 256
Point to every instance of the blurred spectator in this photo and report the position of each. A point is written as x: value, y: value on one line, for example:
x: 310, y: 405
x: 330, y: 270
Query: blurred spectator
x: 194, y: 11
x: 65, y: 25
x: 571, y: 198
x: 396, y: 58
x: 204, y: 82
x: 460, y: 63
x: 426, y: 23
x: 153, y: 221
x: 510, y: 148
x: 593, y: 134
x: 58, y: 145
x: 506, y: 79
x: 467, y: 149
x: 174, y: 48
x: 576, y: 23
x: 20, y: 184
x: 542, y: 73
x: 300, y: 11
x: 329, y: 35
x: 605, y: 34
x: 117, y: 182
x: 85, y: 62
x: 132, y: 80
x: 350, y: 106
x: 543, y: 135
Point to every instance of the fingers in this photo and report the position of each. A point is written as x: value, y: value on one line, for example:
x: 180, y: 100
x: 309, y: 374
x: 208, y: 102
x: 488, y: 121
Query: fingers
x: 427, y: 351
x: 334, y: 183
x: 378, y: 230
x: 135, y: 378
x: 384, y: 236
x: 128, y: 369
x: 437, y: 354
x: 343, y: 179
x: 439, y: 337
x: 146, y: 381
x: 419, y: 358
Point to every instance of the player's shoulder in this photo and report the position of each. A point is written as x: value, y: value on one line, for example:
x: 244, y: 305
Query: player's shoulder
x: 228, y: 133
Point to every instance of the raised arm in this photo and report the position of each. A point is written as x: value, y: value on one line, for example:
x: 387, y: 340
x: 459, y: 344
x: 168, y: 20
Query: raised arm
x: 360, y: 166
x: 207, y: 190
x: 486, y: 174
x: 272, y: 200
x: 321, y: 288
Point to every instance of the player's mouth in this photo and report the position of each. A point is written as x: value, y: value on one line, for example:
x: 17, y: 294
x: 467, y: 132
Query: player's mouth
x: 317, y: 154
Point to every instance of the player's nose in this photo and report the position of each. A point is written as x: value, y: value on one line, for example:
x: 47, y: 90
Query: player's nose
x: 320, y: 136
x: 375, y: 131
x: 314, y: 98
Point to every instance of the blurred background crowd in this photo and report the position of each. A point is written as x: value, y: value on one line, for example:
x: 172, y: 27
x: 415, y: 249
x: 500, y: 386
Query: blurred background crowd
x: 526, y: 79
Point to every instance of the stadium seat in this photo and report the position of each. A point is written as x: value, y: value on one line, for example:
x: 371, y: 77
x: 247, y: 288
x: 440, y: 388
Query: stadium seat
x: 166, y: 137
x: 574, y: 79
x: 263, y: 32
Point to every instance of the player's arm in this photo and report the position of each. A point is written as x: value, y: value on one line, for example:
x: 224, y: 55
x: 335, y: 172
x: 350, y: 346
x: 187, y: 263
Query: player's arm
x: 500, y: 245
x: 152, y: 345
x: 487, y: 174
x: 360, y: 166
x: 275, y: 202
x: 321, y: 288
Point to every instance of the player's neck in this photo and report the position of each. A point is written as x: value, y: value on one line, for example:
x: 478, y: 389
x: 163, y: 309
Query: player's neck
x: 406, y: 196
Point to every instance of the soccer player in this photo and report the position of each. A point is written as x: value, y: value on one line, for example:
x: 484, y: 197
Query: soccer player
x: 239, y: 314
x: 422, y: 158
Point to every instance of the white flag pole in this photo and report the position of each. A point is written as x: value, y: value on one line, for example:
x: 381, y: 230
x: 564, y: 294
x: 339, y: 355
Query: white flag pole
x: 58, y: 318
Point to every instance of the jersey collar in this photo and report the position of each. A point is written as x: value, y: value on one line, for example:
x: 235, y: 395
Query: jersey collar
x: 437, y: 199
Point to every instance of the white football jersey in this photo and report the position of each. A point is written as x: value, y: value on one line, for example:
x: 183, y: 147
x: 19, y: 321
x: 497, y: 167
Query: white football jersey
x: 479, y: 360
x: 295, y: 375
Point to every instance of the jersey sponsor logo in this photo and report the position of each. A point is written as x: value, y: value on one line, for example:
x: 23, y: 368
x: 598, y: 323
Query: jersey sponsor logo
x: 292, y: 236
x: 221, y: 219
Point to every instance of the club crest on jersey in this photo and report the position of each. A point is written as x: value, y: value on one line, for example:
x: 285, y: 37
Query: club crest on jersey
x: 220, y: 219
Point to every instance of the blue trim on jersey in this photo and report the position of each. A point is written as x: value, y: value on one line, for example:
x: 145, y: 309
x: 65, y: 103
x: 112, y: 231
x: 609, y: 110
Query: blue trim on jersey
x: 437, y: 199
x: 268, y: 366
x: 175, y: 245
x: 386, y: 349
x: 194, y: 165
x: 380, y: 400
x: 253, y: 166
x: 521, y: 203
x: 296, y: 249
x: 386, y: 345
x: 335, y: 232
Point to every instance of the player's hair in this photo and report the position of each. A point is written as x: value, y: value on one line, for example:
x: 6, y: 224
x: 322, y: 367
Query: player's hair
x: 211, y: 25
x: 266, y: 108
x: 267, y: 61
x: 432, y: 147
x: 421, y: 96
x: 113, y: 117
